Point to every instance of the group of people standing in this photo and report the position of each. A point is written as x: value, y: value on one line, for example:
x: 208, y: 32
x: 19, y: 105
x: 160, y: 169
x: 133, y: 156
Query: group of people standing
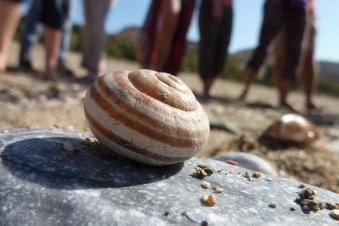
x: 53, y: 18
x: 287, y: 27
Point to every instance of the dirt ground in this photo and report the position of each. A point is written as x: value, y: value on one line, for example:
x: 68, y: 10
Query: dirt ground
x: 28, y: 101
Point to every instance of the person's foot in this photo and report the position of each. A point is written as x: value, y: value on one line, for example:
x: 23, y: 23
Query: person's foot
x: 50, y: 76
x: 2, y: 65
x: 288, y: 107
x: 25, y: 64
x: 88, y: 79
x: 207, y: 88
x: 64, y: 70
x: 242, y: 96
x: 311, y: 107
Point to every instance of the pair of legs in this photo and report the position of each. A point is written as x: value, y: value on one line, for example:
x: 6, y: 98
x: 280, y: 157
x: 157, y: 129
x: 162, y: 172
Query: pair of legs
x: 9, y: 18
x: 52, y: 41
x: 306, y: 67
x: 278, y: 15
x: 215, y: 36
x: 95, y: 38
x: 31, y: 35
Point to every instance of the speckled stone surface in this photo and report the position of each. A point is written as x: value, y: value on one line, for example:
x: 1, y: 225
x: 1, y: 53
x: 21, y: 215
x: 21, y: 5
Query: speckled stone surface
x: 43, y: 184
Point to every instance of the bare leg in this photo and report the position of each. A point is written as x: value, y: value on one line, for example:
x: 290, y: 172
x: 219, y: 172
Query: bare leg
x: 52, y: 41
x: 308, y: 72
x: 95, y: 13
x: 308, y: 77
x: 207, y: 87
x: 281, y: 83
x: 169, y: 14
x: 9, y: 18
x: 250, y: 76
x: 285, y: 87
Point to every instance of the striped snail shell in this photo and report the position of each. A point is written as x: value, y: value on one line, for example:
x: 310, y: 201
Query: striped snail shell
x: 147, y: 116
x: 294, y: 128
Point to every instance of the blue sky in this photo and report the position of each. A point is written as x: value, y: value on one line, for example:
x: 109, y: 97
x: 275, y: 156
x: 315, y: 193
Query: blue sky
x: 246, y: 23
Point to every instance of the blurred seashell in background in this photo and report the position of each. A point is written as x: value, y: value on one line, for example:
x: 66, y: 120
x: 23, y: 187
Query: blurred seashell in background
x: 295, y: 129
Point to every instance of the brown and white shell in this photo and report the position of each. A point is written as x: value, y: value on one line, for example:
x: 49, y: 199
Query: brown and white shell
x: 147, y: 116
x: 294, y: 128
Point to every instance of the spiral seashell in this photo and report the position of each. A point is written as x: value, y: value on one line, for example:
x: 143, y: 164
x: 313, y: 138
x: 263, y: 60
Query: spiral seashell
x: 147, y: 116
x: 294, y: 128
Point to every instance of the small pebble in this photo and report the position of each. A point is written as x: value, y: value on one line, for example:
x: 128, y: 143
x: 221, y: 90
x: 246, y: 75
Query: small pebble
x: 68, y: 146
x: 205, y: 184
x: 330, y: 206
x: 301, y: 186
x: 209, y: 200
x: 273, y: 205
x: 204, y: 223
x: 231, y: 162
x: 218, y: 189
x: 200, y: 172
x: 59, y: 158
x: 248, y: 176
x: 256, y: 175
x: 335, y: 214
x: 208, y: 170
x: 322, y: 205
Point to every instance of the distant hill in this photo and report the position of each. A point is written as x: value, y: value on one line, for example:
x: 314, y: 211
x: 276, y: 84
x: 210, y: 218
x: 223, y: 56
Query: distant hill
x: 131, y: 33
x: 329, y: 71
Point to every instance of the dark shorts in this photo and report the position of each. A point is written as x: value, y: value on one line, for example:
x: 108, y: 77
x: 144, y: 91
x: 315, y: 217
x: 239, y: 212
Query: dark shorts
x: 214, y: 40
x: 278, y: 14
x: 54, y: 13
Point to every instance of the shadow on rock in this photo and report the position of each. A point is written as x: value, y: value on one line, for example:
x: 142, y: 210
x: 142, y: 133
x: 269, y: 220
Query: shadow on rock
x: 44, y: 161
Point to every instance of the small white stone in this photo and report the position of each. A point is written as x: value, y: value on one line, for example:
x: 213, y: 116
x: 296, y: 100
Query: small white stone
x: 218, y: 189
x: 205, y: 184
x: 335, y: 214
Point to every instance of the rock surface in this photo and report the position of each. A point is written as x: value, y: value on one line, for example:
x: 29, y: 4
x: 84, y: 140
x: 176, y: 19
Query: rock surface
x: 41, y: 183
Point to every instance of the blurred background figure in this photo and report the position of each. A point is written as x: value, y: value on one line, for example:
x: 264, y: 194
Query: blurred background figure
x: 9, y: 18
x: 307, y: 69
x: 163, y: 38
x: 215, y: 24
x: 53, y: 15
x: 279, y: 14
x: 95, y: 38
x: 31, y: 35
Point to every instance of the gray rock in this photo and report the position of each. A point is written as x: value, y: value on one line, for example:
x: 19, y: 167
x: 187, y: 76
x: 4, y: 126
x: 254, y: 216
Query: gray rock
x: 248, y: 161
x: 43, y: 184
